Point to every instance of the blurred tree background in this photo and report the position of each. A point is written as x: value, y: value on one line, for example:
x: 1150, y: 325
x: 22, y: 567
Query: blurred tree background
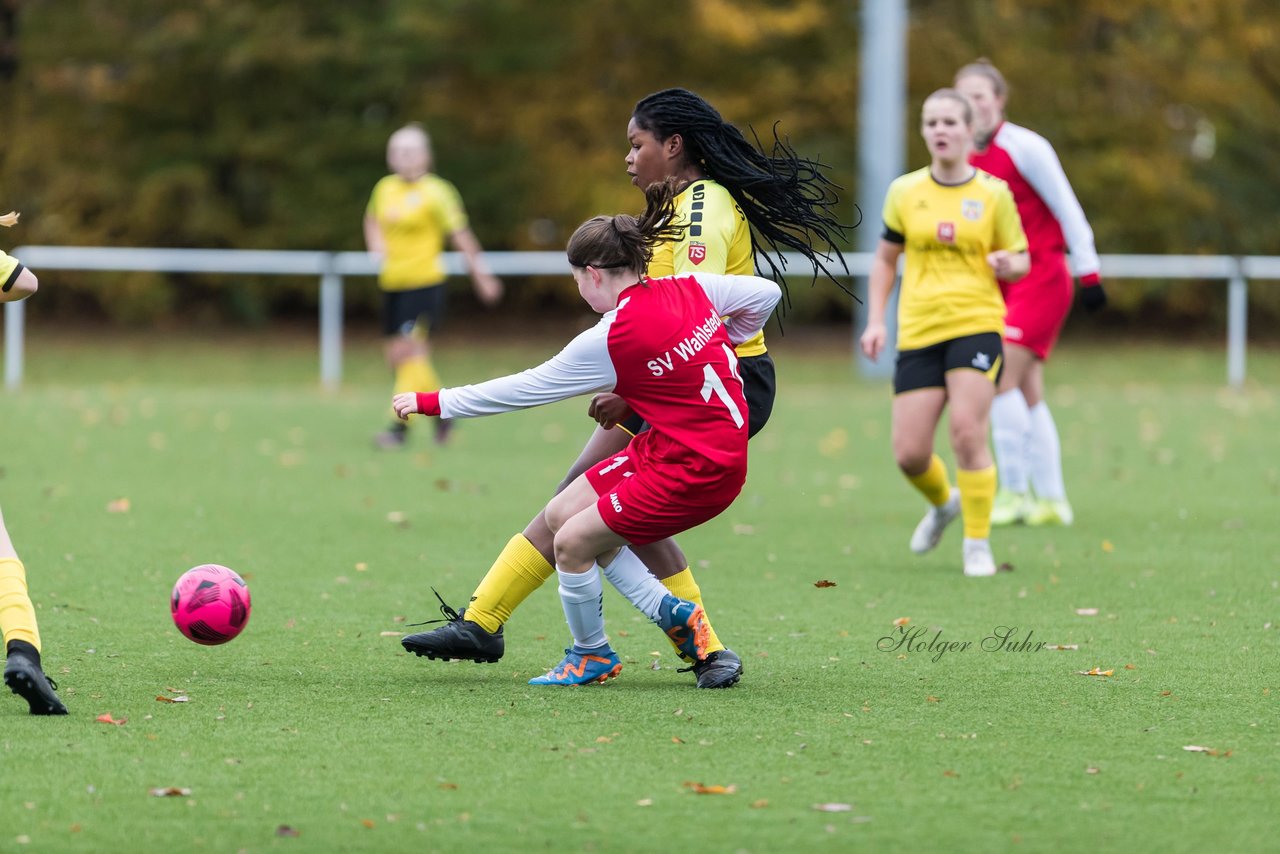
x: 249, y: 124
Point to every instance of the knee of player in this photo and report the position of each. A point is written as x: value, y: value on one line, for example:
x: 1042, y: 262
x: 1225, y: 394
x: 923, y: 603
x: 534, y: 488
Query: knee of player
x: 570, y: 552
x: 968, y: 432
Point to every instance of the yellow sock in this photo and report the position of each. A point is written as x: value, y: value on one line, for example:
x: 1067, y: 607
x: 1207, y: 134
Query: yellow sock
x: 17, y: 615
x: 977, y: 494
x: 683, y: 585
x: 416, y: 374
x: 933, y: 482
x: 518, y: 571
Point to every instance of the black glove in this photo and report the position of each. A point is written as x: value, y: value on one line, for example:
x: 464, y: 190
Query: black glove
x: 1091, y: 293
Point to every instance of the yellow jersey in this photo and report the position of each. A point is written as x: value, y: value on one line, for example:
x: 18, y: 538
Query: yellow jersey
x: 948, y: 288
x: 10, y: 268
x: 717, y: 240
x: 415, y: 218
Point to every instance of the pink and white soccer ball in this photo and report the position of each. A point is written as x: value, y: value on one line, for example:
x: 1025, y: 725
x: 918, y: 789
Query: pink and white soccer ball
x: 210, y: 604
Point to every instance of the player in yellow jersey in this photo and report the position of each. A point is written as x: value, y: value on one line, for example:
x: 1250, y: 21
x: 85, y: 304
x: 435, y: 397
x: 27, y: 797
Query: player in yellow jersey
x: 410, y: 215
x: 737, y: 205
x: 22, y: 672
x: 960, y: 230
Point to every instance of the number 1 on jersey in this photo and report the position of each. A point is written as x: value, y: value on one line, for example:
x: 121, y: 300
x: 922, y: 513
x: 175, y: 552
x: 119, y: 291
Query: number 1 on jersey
x: 713, y: 384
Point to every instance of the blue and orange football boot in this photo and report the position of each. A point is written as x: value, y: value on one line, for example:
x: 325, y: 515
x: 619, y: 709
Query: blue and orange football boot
x: 582, y: 667
x: 686, y: 625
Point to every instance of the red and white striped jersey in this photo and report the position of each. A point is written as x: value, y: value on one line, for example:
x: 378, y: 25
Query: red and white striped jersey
x: 1051, y: 213
x: 667, y: 350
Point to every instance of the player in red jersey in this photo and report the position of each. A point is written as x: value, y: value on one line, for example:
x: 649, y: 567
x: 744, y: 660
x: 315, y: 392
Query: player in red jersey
x: 665, y: 346
x: 1028, y: 454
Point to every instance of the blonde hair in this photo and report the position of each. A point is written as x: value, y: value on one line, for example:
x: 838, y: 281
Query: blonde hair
x: 953, y: 95
x: 982, y: 67
x: 418, y: 130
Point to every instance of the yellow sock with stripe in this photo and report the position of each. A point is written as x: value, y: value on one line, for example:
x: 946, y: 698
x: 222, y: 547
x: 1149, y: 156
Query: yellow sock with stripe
x: 17, y: 614
x: 683, y: 585
x: 977, y: 494
x: 518, y: 571
x: 933, y: 482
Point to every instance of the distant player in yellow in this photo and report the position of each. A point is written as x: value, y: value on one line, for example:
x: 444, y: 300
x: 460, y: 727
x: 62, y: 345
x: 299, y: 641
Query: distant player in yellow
x: 737, y: 203
x: 411, y: 214
x: 960, y: 230
x: 22, y: 671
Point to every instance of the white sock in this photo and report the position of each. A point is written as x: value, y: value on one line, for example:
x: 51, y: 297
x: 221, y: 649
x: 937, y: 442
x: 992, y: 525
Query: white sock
x: 583, y: 598
x: 633, y: 580
x: 1010, y: 429
x: 1045, y: 455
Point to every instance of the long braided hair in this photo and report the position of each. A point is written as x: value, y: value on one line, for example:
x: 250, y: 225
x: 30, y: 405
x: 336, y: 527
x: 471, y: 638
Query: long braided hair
x: 787, y: 199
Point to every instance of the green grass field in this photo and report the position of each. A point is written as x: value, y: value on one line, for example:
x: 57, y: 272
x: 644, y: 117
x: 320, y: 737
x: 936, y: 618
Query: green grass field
x: 315, y: 720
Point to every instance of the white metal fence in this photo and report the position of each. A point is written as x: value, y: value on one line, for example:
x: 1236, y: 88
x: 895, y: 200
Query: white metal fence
x: 333, y: 267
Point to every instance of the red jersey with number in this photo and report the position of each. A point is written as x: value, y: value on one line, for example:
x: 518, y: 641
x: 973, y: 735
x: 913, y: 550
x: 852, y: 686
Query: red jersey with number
x: 667, y: 350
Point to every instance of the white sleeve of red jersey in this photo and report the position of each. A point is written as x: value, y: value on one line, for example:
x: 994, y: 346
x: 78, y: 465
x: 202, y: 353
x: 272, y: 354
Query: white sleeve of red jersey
x: 583, y: 366
x: 1036, y: 160
x: 745, y: 302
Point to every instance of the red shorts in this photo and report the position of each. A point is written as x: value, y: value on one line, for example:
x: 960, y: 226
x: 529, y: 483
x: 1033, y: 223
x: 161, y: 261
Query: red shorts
x: 651, y: 491
x: 1037, y: 305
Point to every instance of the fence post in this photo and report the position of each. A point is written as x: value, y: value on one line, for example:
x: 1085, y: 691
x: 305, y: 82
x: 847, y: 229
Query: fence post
x: 14, y: 314
x: 330, y: 326
x: 1237, y: 325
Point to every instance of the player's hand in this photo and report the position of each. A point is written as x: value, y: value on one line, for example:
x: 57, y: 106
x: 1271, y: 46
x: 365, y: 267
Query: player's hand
x: 1001, y: 262
x: 489, y: 289
x: 1091, y: 293
x: 872, y: 341
x: 608, y: 409
x: 405, y: 404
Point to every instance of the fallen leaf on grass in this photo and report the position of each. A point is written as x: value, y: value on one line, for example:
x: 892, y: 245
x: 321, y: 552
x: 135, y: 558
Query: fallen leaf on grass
x: 949, y: 773
x: 833, y: 807
x: 645, y: 802
x: 1095, y: 672
x: 286, y: 830
x: 107, y: 719
x: 1130, y: 667
x: 760, y: 804
x: 824, y: 583
x: 1107, y: 547
x: 448, y: 787
x: 171, y: 792
x: 1005, y: 567
x: 932, y: 699
x: 397, y: 517
x: 368, y: 822
x: 902, y: 621
x: 390, y: 634
x: 675, y: 739
x: 160, y: 698
x: 119, y: 505
x: 1209, y: 751
x: 1092, y: 770
x: 700, y: 789
x: 1086, y: 612
x: 1063, y: 646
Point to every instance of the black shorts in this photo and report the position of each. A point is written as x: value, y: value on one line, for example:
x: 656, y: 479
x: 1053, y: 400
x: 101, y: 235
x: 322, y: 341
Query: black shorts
x: 402, y: 310
x: 928, y: 366
x: 759, y: 387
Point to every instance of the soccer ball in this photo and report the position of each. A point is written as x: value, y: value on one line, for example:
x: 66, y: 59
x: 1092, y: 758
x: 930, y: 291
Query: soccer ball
x: 210, y: 604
